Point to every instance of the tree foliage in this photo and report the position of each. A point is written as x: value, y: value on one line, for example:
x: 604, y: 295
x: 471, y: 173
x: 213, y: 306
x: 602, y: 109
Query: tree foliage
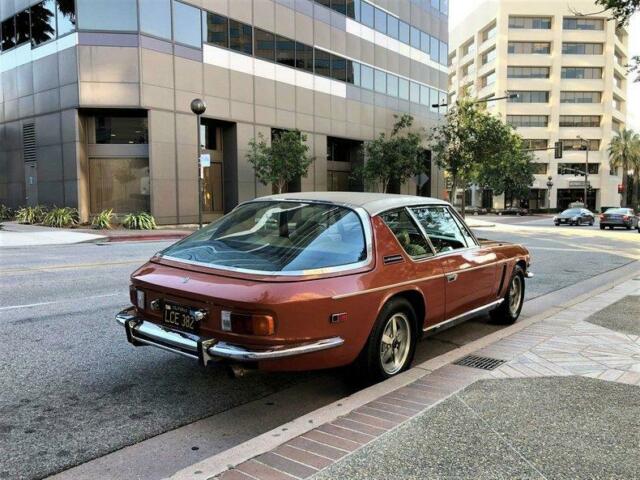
x: 393, y: 159
x: 624, y: 153
x: 284, y: 160
x: 473, y: 146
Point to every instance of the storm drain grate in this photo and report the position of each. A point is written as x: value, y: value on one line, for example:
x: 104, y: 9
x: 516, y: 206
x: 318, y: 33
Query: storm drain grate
x: 484, y: 363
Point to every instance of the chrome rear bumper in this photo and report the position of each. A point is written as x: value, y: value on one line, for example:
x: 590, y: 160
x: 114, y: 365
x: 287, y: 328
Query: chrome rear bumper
x: 141, y: 332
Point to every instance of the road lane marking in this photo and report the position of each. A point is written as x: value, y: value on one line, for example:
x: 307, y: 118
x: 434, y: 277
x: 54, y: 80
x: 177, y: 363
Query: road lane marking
x: 77, y: 265
x: 30, y: 305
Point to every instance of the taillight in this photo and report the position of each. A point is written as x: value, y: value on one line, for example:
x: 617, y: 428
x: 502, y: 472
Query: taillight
x: 247, y: 324
x: 601, y: 217
x: 626, y: 217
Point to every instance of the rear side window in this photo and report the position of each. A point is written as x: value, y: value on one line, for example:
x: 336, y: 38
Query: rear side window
x: 442, y: 229
x: 407, y: 233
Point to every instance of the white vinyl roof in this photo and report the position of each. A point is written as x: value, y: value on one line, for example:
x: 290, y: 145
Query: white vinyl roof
x: 373, y: 203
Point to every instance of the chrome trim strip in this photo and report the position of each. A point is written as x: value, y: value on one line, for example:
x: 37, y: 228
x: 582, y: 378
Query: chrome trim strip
x: 386, y: 287
x: 465, y: 316
x: 187, y: 345
x: 367, y: 229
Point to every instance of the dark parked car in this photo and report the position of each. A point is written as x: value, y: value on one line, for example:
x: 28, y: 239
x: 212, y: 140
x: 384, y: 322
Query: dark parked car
x: 513, y: 211
x: 619, y: 217
x: 470, y: 210
x: 575, y: 216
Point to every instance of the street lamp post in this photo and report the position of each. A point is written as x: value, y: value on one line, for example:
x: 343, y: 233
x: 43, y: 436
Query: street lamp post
x: 586, y: 169
x: 199, y: 107
x: 549, y: 185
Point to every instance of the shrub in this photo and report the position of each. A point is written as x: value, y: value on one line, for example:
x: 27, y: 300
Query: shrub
x: 31, y: 215
x: 139, y: 221
x: 6, y: 213
x: 61, y: 217
x: 102, y: 221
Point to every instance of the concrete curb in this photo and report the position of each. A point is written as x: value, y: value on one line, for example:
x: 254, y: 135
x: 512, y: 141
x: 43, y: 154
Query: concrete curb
x: 266, y: 442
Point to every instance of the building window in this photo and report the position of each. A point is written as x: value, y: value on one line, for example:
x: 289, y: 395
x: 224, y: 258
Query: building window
x: 580, y: 97
x: 121, y: 129
x: 116, y: 15
x: 489, y: 56
x: 285, y: 51
x: 488, y: 79
x: 535, y: 143
x: 489, y: 32
x: 366, y: 14
x: 468, y: 48
x: 121, y: 184
x: 338, y: 68
x: 8, y: 33
x: 528, y: 120
x: 403, y: 89
x: 339, y: 6
x: 66, y: 16
x: 380, y: 20
x: 576, y: 48
x: 533, y: 96
x: 393, y: 27
x: 186, y: 25
x: 536, y: 23
x: 380, y: 81
x: 392, y: 85
x: 572, y: 23
x: 43, y: 22
x: 415, y: 37
x: 577, y: 169
x: 155, y: 18
x: 322, y: 63
x: 414, y: 94
x: 587, y: 73
x: 217, y: 30
x: 425, y: 96
x: 528, y: 72
x: 575, y: 144
x: 366, y: 77
x: 23, y: 28
x: 304, y: 57
x: 405, y: 32
x: 240, y: 37
x: 539, y: 168
x: 265, y: 46
x: 579, y: 120
x: 529, y: 48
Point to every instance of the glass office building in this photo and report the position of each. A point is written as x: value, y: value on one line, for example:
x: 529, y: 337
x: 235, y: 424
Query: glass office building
x: 95, y: 95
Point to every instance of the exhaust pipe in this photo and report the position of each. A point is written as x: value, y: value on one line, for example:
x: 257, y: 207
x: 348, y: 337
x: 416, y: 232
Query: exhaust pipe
x: 239, y: 371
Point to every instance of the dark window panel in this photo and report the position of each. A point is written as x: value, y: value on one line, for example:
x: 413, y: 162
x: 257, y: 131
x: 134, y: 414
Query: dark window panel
x: 322, y: 63
x: 43, y: 22
x: 350, y: 8
x: 23, y: 30
x: 240, y: 37
x: 339, y: 6
x: 121, y: 130
x: 285, y: 51
x: 217, y: 30
x: 66, y: 16
x: 326, y: 3
x: 338, y: 68
x: 8, y: 33
x: 304, y: 57
x: 264, y: 45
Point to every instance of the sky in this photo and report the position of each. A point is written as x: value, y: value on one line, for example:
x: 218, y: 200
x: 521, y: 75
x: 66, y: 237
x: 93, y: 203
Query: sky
x: 459, y: 8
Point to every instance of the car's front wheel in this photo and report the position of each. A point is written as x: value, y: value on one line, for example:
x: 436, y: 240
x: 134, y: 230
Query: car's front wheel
x: 509, y: 310
x: 391, y: 344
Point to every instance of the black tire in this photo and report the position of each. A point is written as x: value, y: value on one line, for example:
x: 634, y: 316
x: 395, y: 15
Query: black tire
x: 579, y: 222
x: 369, y: 365
x: 610, y: 228
x: 557, y: 224
x: 601, y: 227
x: 506, y: 313
x: 628, y: 227
x: 591, y: 223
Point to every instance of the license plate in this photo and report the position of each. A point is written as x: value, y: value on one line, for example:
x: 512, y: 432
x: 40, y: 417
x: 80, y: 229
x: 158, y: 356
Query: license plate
x: 180, y: 317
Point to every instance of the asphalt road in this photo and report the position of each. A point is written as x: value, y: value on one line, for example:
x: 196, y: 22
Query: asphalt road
x: 72, y: 389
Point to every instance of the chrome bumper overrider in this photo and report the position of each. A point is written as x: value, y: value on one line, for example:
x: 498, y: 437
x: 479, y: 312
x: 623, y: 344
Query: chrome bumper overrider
x: 141, y: 332
x: 529, y: 274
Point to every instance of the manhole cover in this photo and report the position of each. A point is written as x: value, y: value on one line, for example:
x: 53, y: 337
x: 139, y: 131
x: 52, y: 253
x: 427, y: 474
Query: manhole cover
x: 484, y: 363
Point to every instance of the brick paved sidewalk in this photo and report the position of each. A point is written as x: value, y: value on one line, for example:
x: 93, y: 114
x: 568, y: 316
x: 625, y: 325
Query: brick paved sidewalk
x: 587, y: 340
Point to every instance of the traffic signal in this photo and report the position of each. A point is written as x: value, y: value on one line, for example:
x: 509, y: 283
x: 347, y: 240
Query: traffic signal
x: 558, y: 150
x: 620, y: 188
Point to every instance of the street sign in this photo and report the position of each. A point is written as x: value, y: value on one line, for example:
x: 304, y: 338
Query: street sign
x: 205, y: 160
x: 578, y: 184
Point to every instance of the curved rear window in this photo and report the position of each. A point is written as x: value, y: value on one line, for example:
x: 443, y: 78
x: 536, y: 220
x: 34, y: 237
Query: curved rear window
x: 277, y: 237
x: 620, y: 211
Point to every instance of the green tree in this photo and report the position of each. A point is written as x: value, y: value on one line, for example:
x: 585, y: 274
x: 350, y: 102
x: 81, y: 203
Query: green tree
x: 509, y: 172
x: 393, y: 159
x: 284, y: 160
x: 473, y: 144
x: 624, y: 152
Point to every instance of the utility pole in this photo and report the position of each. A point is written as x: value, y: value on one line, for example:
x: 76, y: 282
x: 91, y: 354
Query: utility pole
x: 586, y: 170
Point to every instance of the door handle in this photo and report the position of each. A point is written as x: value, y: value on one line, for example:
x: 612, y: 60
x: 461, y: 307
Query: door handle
x: 452, y: 277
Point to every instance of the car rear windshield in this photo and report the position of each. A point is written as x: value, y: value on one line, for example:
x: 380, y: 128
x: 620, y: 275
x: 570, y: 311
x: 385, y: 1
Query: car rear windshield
x: 619, y: 211
x: 572, y: 211
x: 277, y: 237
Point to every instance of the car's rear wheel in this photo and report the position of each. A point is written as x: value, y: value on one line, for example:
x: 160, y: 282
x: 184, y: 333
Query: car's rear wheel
x: 391, y: 344
x: 509, y: 310
x: 601, y: 227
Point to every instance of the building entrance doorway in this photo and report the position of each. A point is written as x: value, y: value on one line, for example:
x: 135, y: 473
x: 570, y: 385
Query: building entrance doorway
x: 212, y: 143
x: 567, y: 196
x: 31, y: 183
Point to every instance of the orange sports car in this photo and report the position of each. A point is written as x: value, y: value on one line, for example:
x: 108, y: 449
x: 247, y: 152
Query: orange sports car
x: 317, y: 280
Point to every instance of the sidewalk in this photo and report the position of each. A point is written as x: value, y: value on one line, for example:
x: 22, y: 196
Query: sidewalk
x: 559, y: 400
x: 15, y: 234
